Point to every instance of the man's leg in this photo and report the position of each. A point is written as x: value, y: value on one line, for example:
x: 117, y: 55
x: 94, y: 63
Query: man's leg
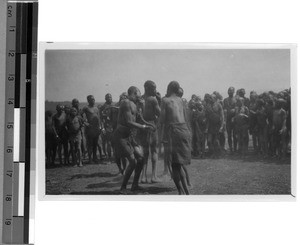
x: 104, y: 145
x: 177, y: 178
x: 131, y: 166
x: 95, y: 145
x: 139, y: 156
x: 234, y: 136
x: 144, y: 178
x: 89, y: 141
x: 59, y: 149
x: 79, y: 154
x: 187, y: 176
x: 154, y: 157
x: 137, y: 172
x: 72, y: 150
x: 229, y: 137
x: 66, y: 151
x: 209, y: 143
x: 109, y: 148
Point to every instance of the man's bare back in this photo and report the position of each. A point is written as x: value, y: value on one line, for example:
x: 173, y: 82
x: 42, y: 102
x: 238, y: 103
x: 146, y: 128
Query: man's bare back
x: 127, y: 113
x: 173, y: 110
x: 151, y: 110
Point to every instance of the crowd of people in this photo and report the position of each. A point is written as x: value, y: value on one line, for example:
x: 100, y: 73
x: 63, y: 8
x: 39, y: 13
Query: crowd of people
x: 138, y: 127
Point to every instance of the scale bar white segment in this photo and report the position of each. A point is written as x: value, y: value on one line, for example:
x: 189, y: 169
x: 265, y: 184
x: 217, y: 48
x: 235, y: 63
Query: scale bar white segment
x: 21, y: 189
x: 16, y: 150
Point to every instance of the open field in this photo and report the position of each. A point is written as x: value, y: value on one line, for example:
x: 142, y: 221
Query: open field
x: 227, y: 175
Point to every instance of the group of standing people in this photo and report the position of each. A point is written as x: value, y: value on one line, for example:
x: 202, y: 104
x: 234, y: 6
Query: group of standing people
x: 266, y: 117
x: 134, y: 129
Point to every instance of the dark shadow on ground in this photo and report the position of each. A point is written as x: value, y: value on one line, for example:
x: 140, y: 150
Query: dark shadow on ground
x: 152, y: 190
x: 94, y: 175
x: 105, y: 184
x: 250, y: 157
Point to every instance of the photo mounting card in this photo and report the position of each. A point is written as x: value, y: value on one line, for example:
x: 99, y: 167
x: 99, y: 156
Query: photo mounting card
x: 149, y: 121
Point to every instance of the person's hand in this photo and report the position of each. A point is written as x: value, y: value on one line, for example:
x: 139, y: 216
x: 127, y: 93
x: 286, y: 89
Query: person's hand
x: 147, y: 127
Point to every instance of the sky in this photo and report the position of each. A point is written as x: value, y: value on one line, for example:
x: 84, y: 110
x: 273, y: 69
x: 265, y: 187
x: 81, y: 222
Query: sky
x: 78, y: 73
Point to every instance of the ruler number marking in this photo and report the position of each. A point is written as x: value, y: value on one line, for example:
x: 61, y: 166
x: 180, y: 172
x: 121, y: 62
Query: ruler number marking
x: 8, y: 221
x: 11, y: 78
x: 9, y: 173
x: 9, y: 150
x: 11, y: 54
x: 9, y: 11
x: 10, y: 126
x: 8, y: 198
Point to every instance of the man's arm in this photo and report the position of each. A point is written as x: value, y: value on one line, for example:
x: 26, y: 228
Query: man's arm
x: 162, y: 117
x: 283, y: 129
x: 53, y: 127
x: 222, y: 116
x: 126, y: 108
x: 156, y: 107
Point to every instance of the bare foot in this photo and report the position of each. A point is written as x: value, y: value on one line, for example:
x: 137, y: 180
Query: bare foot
x: 156, y: 180
x: 144, y: 181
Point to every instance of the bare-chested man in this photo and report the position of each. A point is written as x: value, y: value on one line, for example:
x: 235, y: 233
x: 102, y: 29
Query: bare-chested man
x: 201, y: 127
x: 75, y: 104
x: 74, y: 124
x: 221, y: 135
x: 253, y: 129
x: 149, y: 139
x: 241, y: 122
x: 279, y: 128
x: 215, y: 116
x: 50, y: 139
x: 269, y: 107
x: 179, y: 137
x: 262, y: 127
x: 124, y: 141
x: 93, y: 127
x: 229, y: 111
x: 120, y: 161
x: 242, y: 93
x: 105, y: 112
x: 59, y: 123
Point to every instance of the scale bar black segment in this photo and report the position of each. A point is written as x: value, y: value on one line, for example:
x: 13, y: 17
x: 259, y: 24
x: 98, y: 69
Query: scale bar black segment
x: 29, y: 40
x: 21, y: 38
x: 23, y: 80
x: 27, y: 163
x: 17, y: 80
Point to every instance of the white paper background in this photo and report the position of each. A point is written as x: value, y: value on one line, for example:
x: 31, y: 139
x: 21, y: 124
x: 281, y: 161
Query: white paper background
x: 108, y: 222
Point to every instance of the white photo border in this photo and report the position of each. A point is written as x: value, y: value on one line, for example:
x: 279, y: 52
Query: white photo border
x: 40, y: 151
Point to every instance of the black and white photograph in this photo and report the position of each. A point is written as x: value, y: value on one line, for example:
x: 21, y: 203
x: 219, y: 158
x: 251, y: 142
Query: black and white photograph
x: 176, y: 120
